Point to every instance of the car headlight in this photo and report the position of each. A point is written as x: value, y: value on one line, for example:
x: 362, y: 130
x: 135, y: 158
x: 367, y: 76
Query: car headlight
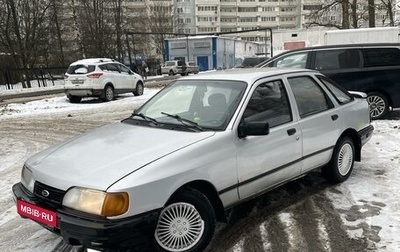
x: 96, y: 202
x: 26, y: 178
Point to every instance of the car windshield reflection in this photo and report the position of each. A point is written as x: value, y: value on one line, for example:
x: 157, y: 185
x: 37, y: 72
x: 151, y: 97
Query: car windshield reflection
x: 208, y: 103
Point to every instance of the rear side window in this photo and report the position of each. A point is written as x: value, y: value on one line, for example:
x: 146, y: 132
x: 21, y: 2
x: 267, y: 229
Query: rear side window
x: 310, y: 97
x: 381, y: 57
x: 337, y: 59
x: 112, y: 67
x: 80, y: 69
x: 338, y: 92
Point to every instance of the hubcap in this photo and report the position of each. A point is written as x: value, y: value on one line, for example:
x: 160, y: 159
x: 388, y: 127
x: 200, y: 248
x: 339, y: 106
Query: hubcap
x: 345, y: 159
x: 179, y: 227
x: 139, y: 89
x: 109, y: 94
x: 376, y: 106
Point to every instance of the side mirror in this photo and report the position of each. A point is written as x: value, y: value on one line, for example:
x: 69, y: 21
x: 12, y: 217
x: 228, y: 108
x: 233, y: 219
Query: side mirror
x: 253, y: 129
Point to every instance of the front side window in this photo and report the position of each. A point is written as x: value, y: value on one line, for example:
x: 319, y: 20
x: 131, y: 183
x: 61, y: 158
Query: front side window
x: 298, y: 60
x: 337, y: 59
x: 269, y: 103
x: 124, y: 69
x: 310, y: 97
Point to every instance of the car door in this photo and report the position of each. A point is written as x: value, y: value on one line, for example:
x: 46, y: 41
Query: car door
x: 114, y: 76
x: 319, y: 120
x: 265, y: 161
x: 343, y: 65
x: 128, y: 79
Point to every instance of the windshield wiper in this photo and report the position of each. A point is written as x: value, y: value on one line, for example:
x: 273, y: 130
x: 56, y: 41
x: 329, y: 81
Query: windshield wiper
x: 184, y: 121
x: 147, y: 118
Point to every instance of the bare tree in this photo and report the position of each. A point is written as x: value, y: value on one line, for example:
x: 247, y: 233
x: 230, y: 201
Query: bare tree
x: 24, y: 30
x: 371, y: 13
x: 160, y: 21
x: 96, y: 22
x: 118, y: 18
x: 352, y: 16
x: 390, y: 7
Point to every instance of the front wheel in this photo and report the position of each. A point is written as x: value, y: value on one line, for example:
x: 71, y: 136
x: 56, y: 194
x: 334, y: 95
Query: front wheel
x: 378, y: 105
x: 139, y: 89
x: 171, y: 73
x: 108, y: 93
x: 187, y: 223
x: 341, y: 164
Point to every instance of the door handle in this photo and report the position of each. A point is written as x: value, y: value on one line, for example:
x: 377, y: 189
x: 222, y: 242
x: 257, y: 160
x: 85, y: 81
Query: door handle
x: 291, y: 131
x: 334, y: 117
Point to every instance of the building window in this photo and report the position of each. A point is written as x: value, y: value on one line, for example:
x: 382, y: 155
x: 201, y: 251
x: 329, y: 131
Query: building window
x: 268, y: 19
x: 268, y: 9
x: 247, y: 9
x: 248, y: 19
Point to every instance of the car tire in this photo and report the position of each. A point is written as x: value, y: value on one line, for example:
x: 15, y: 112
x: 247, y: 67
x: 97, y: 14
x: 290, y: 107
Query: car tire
x: 108, y: 93
x: 341, y: 164
x: 190, y: 218
x: 139, y: 89
x: 75, y: 99
x: 378, y: 105
x: 171, y: 73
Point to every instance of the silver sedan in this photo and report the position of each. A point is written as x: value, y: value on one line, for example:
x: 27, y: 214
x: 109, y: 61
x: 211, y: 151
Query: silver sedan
x: 161, y: 179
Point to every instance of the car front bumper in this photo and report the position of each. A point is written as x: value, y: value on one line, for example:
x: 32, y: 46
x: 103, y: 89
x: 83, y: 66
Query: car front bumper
x: 97, y: 232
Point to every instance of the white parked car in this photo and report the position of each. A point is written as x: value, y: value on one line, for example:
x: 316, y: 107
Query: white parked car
x: 173, y: 67
x: 100, y: 77
x: 160, y: 179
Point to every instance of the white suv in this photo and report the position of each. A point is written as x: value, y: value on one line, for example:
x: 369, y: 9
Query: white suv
x: 100, y: 77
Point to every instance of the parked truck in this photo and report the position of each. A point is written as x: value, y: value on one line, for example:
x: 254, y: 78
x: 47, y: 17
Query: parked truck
x: 362, y: 35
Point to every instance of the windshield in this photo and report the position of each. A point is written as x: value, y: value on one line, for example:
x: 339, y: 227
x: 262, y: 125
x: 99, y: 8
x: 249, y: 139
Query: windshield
x: 210, y: 104
x: 80, y: 69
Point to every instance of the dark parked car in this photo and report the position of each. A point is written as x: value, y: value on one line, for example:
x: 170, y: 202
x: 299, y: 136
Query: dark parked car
x: 251, y: 61
x: 370, y: 68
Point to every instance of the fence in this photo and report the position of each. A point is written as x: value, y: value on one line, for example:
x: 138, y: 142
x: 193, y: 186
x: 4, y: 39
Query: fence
x: 30, y: 77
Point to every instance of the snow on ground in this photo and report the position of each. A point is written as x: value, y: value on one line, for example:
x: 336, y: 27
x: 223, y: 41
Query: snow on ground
x: 371, y: 208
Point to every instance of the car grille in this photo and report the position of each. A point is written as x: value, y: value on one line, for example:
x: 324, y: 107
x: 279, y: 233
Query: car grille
x: 48, y: 194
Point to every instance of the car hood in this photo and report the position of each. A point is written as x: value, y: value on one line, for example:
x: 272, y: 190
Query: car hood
x: 101, y: 157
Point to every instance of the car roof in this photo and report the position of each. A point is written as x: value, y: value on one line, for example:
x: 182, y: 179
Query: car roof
x: 248, y: 75
x: 91, y: 61
x: 340, y: 46
x: 310, y: 48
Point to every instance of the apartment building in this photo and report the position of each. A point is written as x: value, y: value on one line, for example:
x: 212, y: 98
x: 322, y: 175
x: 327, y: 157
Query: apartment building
x: 207, y: 16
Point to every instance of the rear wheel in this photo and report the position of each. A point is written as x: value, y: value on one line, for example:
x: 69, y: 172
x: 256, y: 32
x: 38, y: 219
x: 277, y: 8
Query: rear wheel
x: 171, y: 73
x: 75, y: 99
x: 187, y: 223
x: 108, y: 93
x: 342, y: 161
x: 378, y: 105
x: 139, y: 89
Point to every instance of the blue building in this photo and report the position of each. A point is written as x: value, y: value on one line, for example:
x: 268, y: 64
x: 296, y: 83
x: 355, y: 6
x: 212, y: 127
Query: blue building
x: 211, y: 52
